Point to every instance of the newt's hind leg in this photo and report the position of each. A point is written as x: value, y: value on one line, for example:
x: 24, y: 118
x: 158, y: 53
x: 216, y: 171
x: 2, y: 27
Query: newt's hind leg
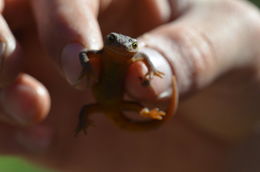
x: 127, y: 123
x: 154, y: 113
x: 84, y: 121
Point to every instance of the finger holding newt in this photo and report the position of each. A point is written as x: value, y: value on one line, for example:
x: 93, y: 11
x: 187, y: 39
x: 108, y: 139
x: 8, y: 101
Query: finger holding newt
x: 191, y: 47
x: 195, y: 40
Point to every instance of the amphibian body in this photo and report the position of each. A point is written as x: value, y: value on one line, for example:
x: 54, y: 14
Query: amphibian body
x: 114, y: 59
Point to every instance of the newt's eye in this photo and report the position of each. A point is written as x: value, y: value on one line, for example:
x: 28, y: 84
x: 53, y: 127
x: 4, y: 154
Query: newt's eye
x: 111, y: 37
x: 134, y: 45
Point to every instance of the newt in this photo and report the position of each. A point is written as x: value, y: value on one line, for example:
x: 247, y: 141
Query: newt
x: 118, y: 53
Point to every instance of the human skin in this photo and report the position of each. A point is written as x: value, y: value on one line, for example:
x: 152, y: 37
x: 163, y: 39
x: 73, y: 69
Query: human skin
x: 199, y: 40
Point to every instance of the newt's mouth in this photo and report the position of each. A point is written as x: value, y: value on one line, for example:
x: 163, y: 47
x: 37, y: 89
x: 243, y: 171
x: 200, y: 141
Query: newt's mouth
x: 122, y: 51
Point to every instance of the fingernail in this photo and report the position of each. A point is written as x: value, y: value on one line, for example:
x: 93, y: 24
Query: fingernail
x: 36, y: 139
x: 2, y: 49
x: 2, y: 52
x: 158, y: 85
x: 70, y: 62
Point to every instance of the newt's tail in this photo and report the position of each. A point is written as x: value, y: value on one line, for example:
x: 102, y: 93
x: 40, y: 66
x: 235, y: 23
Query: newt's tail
x: 174, y: 100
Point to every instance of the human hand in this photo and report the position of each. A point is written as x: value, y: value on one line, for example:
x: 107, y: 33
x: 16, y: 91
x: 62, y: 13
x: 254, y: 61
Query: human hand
x: 206, y: 39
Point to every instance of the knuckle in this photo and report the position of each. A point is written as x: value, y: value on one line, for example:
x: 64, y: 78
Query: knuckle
x: 247, y: 13
x: 198, y: 53
x: 249, y: 16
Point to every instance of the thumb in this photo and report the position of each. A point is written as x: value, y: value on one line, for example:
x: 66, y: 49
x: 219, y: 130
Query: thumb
x: 66, y: 28
x: 197, y: 48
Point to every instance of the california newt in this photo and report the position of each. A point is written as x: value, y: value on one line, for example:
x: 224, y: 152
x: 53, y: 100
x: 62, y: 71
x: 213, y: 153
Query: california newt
x: 114, y: 59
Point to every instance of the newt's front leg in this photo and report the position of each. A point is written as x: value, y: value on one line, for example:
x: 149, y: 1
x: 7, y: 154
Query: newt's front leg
x: 87, y: 60
x: 152, y: 71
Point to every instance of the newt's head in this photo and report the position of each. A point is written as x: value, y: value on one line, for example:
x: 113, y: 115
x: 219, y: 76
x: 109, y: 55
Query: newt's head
x: 121, y: 44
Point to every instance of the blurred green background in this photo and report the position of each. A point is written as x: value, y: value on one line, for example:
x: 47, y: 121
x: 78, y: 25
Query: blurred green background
x: 257, y: 2
x: 12, y: 164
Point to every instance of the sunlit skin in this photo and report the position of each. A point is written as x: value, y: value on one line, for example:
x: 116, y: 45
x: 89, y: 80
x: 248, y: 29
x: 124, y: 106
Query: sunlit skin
x: 200, y: 40
x: 119, y: 52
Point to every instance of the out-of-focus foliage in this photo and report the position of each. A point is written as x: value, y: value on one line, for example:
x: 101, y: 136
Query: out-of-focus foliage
x: 10, y: 164
x: 257, y: 2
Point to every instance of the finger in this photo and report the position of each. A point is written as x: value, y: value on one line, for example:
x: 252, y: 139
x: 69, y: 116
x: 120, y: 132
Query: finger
x: 24, y: 102
x: 67, y: 27
x: 21, y: 8
x: 158, y: 87
x: 211, y: 38
x: 34, y: 139
x: 10, y: 54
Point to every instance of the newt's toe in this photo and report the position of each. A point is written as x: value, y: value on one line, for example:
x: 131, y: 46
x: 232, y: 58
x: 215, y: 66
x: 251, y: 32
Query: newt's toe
x: 83, y: 126
x: 159, y: 74
x: 154, y: 113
